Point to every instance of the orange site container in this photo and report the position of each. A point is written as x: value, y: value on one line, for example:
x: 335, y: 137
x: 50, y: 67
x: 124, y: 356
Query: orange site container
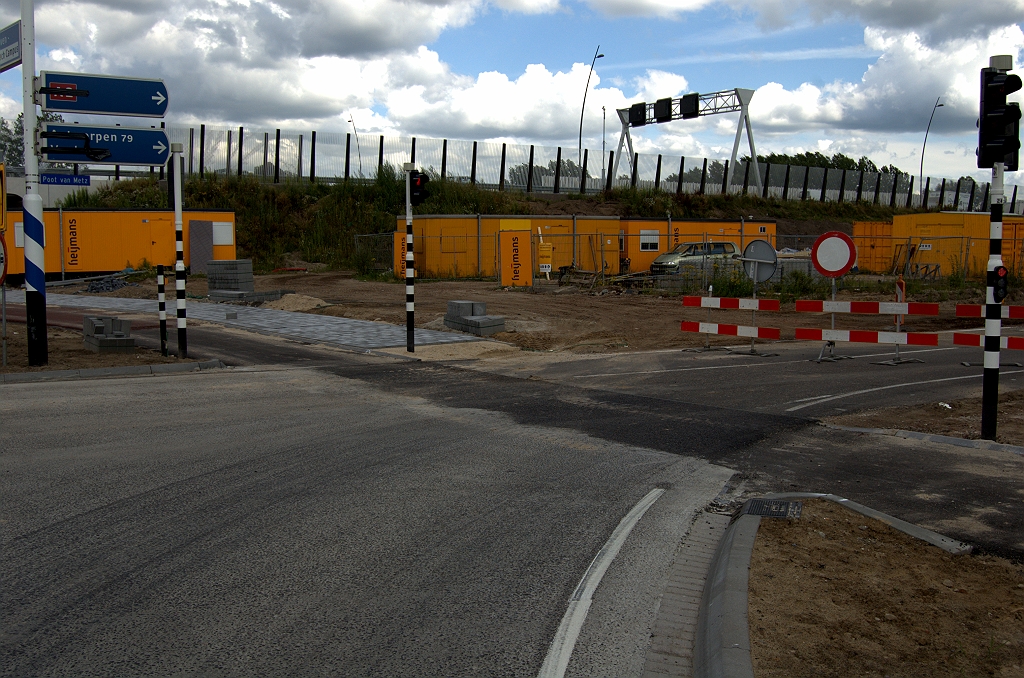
x: 457, y: 246
x: 940, y: 243
x: 101, y: 241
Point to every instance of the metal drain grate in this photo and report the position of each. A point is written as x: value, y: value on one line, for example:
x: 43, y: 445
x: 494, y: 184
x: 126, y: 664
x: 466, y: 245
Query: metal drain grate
x: 773, y: 508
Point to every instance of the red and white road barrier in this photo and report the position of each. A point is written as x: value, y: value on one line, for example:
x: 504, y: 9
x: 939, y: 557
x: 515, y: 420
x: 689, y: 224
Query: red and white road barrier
x: 732, y: 303
x: 978, y: 311
x: 866, y: 307
x: 732, y: 330
x: 978, y: 340
x: 865, y: 337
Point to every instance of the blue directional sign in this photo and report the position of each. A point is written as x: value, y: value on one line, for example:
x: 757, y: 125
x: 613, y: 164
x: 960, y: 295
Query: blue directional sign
x: 104, y: 145
x: 102, y: 94
x: 10, y: 46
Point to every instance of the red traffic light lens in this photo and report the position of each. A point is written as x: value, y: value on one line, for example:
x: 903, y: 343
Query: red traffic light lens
x: 1000, y: 271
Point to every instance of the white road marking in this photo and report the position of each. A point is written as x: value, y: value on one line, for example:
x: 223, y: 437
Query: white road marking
x: 883, y: 388
x: 804, y: 400
x: 757, y: 364
x: 568, y: 632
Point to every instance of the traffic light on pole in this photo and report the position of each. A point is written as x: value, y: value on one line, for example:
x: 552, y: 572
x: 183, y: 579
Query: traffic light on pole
x: 1000, y: 283
x: 418, y: 187
x: 999, y: 121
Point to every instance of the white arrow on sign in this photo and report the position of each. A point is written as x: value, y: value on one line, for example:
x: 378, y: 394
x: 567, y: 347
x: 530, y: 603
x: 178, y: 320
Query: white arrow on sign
x: 160, y: 148
x: 159, y: 98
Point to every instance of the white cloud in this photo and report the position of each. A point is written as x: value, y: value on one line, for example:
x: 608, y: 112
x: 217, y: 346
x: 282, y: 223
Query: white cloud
x: 656, y: 85
x: 662, y: 8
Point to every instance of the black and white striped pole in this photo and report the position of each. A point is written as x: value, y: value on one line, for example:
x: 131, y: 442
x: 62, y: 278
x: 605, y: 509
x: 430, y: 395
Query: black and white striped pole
x: 993, y: 309
x: 162, y: 301
x: 35, y: 266
x: 410, y: 272
x: 179, y: 244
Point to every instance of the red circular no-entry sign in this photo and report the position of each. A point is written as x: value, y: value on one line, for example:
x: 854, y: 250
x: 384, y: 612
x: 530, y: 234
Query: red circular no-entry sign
x: 833, y: 254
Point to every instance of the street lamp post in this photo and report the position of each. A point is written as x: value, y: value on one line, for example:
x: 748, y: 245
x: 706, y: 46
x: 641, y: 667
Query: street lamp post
x: 579, y: 155
x: 920, y: 178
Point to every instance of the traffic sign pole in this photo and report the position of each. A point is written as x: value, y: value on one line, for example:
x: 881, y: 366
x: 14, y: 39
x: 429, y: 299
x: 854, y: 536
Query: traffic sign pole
x: 35, y: 265
x: 410, y: 272
x: 179, y: 243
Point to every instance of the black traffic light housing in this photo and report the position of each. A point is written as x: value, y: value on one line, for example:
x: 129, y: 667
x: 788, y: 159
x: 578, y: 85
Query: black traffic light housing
x: 999, y: 121
x: 999, y: 280
x: 418, y: 187
x: 638, y: 114
x: 663, y: 110
x: 689, y: 106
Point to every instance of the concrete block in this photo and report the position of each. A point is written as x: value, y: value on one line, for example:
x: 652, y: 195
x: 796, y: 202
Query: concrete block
x: 479, y: 308
x: 457, y: 309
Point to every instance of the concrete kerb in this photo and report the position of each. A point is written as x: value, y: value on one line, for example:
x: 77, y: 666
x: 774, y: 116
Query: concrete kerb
x: 933, y: 438
x: 108, y: 372
x: 722, y: 642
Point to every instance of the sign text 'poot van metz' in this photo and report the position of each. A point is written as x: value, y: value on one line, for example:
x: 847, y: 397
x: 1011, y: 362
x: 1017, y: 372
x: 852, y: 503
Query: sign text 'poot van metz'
x: 104, y: 145
x: 102, y: 94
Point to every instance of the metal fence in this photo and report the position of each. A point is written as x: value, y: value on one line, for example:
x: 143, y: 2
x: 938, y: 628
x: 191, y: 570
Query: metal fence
x: 276, y: 155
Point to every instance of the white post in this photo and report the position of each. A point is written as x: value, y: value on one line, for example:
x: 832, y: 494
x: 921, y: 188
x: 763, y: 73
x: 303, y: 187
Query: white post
x: 35, y: 263
x: 179, y: 243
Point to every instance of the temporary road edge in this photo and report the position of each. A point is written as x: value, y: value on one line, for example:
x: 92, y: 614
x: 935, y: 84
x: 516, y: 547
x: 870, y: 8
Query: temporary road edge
x: 107, y: 372
x: 722, y: 642
x: 568, y: 632
x: 934, y: 438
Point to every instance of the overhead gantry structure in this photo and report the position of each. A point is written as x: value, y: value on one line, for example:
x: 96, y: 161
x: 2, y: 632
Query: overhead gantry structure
x: 687, y: 107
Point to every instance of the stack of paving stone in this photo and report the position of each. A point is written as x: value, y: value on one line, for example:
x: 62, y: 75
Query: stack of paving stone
x: 104, y: 334
x: 231, y: 280
x: 471, y: 316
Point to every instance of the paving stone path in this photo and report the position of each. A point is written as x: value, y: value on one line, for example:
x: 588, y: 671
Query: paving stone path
x: 345, y: 332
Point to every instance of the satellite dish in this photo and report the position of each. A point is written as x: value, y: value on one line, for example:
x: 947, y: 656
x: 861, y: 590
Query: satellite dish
x: 759, y: 261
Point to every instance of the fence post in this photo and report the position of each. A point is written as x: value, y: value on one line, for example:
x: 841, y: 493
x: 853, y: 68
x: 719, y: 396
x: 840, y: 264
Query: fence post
x: 657, y: 175
x: 348, y: 153
x: 878, y: 188
x: 956, y: 197
x: 241, y: 148
x: 636, y: 161
x: 746, y: 178
x: 501, y: 177
x: 312, y: 156
x: 725, y: 179
x: 472, y: 167
x: 202, y: 150
x: 842, y: 187
x: 298, y: 170
x: 412, y: 151
x: 824, y: 186
x: 277, y: 157
x: 583, y: 173
x: 860, y: 186
x: 703, y: 176
x: 942, y: 193
x: 227, y: 164
x: 191, y: 148
x: 767, y: 175
x: 162, y: 125
x: 444, y: 158
x: 266, y: 154
x: 679, y: 182
x: 927, y: 189
x: 910, y: 191
x: 608, y: 180
x: 1013, y: 200
x: 984, y: 200
x: 529, y: 172
x: 558, y: 169
x: 785, y: 183
x: 895, y: 186
x: 380, y: 156
x: 970, y: 200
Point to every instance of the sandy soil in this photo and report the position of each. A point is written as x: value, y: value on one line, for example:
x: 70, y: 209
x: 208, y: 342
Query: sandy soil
x: 957, y: 418
x: 836, y: 594
x: 66, y: 352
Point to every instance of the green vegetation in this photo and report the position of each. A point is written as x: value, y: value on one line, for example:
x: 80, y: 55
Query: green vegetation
x: 320, y: 220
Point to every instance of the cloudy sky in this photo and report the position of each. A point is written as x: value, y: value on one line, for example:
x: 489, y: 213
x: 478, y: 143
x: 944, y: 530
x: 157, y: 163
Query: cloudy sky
x: 857, y: 76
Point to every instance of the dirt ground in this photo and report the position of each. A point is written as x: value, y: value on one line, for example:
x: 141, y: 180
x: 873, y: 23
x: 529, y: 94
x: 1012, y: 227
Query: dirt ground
x: 833, y: 593
x: 957, y: 418
x: 66, y: 352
